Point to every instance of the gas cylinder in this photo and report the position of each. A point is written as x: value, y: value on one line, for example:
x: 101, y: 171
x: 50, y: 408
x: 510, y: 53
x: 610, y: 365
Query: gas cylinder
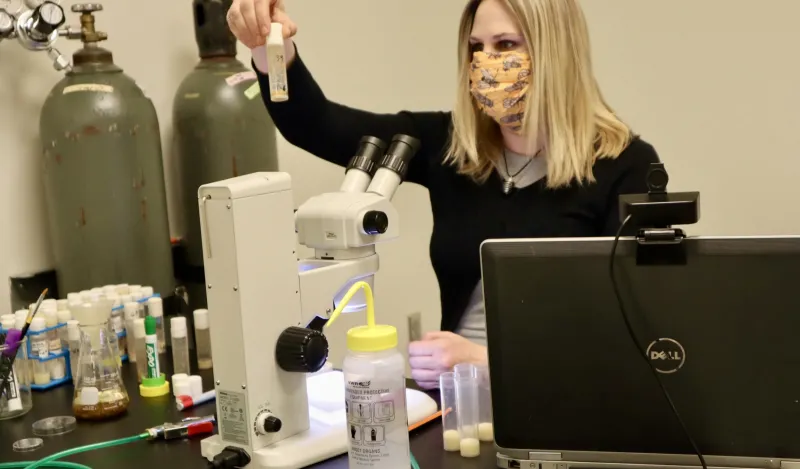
x: 103, y: 173
x: 222, y: 129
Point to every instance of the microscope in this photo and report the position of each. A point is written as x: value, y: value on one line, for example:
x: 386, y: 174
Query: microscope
x: 267, y: 308
x: 37, y: 25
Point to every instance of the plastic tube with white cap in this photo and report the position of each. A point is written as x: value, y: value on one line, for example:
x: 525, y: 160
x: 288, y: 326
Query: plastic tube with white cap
x: 196, y: 386
x: 74, y: 341
x: 180, y: 345
x: 130, y: 313
x: 363, y: 164
x: 202, y: 338
x: 393, y: 166
x: 140, y: 347
x: 276, y: 64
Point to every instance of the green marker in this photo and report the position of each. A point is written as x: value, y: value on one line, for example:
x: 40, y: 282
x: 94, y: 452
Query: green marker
x: 151, y: 344
x: 155, y: 384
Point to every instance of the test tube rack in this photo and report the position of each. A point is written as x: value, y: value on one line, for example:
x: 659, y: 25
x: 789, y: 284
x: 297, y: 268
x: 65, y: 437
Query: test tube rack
x: 64, y: 352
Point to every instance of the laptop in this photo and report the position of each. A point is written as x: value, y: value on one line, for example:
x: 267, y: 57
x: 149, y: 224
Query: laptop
x: 570, y: 388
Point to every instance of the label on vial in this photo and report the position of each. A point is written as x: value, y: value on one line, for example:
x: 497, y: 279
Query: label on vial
x: 39, y: 348
x: 55, y: 345
x: 377, y: 422
x: 116, y: 323
x: 232, y: 415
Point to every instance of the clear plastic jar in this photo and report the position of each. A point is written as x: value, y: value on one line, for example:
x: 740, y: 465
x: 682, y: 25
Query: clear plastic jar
x: 21, y: 401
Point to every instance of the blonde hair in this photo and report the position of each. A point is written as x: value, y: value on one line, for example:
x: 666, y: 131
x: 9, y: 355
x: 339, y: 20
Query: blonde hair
x: 565, y: 111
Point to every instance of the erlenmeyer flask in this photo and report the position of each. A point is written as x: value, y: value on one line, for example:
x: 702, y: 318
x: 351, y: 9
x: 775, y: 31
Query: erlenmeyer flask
x: 99, y: 390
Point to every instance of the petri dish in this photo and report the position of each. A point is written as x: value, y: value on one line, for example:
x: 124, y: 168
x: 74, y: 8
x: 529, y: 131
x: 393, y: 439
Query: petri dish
x: 27, y: 444
x: 53, y: 426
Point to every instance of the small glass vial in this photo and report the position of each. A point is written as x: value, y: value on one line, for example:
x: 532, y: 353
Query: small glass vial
x: 180, y: 345
x: 74, y: 341
x: 57, y: 366
x: 64, y: 316
x: 118, y: 325
x: 155, y: 308
x: 485, y: 420
x: 40, y: 349
x: 140, y: 347
x: 202, y: 337
x: 139, y: 298
x: 131, y: 313
x: 276, y: 64
x: 447, y: 392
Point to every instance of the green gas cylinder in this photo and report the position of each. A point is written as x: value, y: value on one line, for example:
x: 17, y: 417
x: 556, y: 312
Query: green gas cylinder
x: 103, y: 174
x: 222, y: 129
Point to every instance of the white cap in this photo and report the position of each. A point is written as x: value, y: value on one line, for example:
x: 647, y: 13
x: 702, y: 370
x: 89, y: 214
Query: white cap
x: 155, y: 307
x: 178, y: 380
x: 20, y: 316
x: 275, y: 34
x: 50, y: 303
x: 51, y: 317
x: 201, y: 319
x: 178, y: 327
x: 134, y: 288
x: 97, y: 290
x: 115, y: 300
x: 138, y: 328
x: 147, y: 291
x: 85, y: 295
x: 61, y: 305
x: 7, y: 316
x: 89, y: 396
x: 131, y: 310
x: 125, y: 299
x: 73, y: 330
x: 110, y: 289
x: 73, y: 296
x: 196, y: 383
x: 137, y: 295
x: 123, y: 289
x: 7, y: 323
x: 38, y: 324
x: 64, y: 316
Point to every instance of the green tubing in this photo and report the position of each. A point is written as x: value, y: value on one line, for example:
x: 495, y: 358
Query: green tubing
x: 48, y: 461
x: 54, y: 464
x: 414, y: 463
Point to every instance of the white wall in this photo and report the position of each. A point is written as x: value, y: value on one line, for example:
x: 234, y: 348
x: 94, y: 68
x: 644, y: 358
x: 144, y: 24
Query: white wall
x: 712, y: 84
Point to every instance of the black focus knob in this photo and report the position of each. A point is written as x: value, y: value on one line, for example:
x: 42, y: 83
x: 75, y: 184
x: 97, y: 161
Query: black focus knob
x: 47, y: 17
x: 301, y: 350
x: 272, y: 424
x: 375, y: 222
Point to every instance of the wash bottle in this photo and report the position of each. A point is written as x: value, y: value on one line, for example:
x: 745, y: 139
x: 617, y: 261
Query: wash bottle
x: 375, y: 392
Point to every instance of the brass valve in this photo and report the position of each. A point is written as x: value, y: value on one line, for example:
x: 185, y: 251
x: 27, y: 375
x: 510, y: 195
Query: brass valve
x: 88, y: 34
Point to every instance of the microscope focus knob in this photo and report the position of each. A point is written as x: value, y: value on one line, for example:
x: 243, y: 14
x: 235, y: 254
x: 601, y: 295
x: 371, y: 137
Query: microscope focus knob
x: 375, y: 222
x: 267, y: 423
x: 301, y: 350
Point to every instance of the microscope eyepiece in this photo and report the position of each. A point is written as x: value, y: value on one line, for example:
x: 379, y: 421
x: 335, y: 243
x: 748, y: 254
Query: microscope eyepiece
x: 370, y: 151
x: 401, y: 150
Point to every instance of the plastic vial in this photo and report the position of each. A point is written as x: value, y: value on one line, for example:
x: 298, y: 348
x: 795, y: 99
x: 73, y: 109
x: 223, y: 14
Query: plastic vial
x: 202, y: 338
x: 447, y: 392
x: 134, y: 288
x: 147, y: 291
x: 64, y: 317
x: 57, y: 366
x: 140, y: 347
x: 155, y: 308
x: 131, y: 313
x: 276, y: 64
x: 118, y: 325
x: 180, y: 345
x: 139, y: 298
x: 485, y: 420
x: 40, y: 349
x: 74, y: 341
x: 467, y: 403
x: 62, y: 305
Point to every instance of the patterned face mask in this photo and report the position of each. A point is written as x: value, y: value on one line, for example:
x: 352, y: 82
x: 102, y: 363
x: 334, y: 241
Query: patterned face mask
x: 499, y: 82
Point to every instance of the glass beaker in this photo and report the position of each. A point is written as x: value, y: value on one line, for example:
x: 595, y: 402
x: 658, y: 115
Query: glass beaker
x: 16, y: 398
x: 99, y: 390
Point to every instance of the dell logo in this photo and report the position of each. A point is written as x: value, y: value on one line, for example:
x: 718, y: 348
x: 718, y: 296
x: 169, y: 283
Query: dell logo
x: 666, y: 355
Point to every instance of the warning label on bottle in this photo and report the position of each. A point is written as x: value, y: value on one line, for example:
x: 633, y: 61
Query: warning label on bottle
x: 377, y: 423
x: 232, y: 417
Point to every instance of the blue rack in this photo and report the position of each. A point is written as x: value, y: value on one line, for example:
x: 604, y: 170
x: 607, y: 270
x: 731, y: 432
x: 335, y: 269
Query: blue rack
x: 64, y: 353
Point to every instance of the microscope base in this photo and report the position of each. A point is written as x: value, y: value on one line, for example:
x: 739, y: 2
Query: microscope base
x: 327, y: 437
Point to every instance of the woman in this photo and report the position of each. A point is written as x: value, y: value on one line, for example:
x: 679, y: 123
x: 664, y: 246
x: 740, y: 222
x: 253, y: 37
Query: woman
x: 531, y: 149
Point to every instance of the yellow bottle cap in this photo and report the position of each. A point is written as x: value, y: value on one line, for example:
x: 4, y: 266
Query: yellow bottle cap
x: 372, y: 337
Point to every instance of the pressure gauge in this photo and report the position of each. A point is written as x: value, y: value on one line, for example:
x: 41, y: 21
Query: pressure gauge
x: 47, y: 18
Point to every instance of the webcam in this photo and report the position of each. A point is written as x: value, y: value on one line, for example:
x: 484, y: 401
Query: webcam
x: 659, y: 208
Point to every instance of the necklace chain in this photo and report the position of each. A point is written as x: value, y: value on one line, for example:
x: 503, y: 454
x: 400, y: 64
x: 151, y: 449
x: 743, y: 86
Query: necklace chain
x: 508, y: 182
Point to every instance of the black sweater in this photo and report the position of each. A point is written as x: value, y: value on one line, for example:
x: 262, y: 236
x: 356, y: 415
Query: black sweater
x: 464, y: 213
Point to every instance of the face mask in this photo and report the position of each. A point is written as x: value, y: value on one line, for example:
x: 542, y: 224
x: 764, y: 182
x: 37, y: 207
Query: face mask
x: 499, y: 83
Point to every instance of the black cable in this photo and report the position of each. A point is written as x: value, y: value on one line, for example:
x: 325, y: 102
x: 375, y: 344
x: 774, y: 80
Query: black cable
x: 641, y: 349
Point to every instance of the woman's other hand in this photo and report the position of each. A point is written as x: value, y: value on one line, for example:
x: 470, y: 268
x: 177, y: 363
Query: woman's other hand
x: 250, y: 21
x: 439, y: 352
